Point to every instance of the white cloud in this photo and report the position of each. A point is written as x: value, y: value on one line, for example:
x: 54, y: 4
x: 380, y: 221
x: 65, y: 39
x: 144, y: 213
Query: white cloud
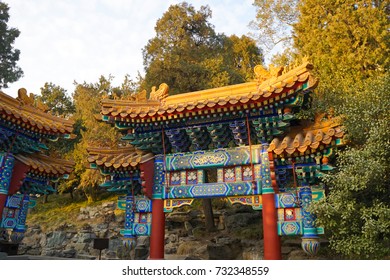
x: 63, y: 41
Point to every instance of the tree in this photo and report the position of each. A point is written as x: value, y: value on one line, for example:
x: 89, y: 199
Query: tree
x: 356, y: 211
x: 240, y: 56
x: 57, y: 100
x: 9, y: 71
x: 274, y: 22
x: 344, y: 37
x: 94, y: 133
x: 348, y: 43
x: 188, y: 55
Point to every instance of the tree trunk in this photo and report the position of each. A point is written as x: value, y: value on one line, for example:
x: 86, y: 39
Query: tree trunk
x: 208, y: 215
x: 71, y: 195
x: 45, y: 198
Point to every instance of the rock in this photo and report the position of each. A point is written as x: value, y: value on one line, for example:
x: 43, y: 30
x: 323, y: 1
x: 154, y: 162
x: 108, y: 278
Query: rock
x: 225, y: 249
x: 198, y: 232
x: 141, y: 253
x: 114, y: 244
x: 287, y: 250
x: 173, y: 238
x: 109, y: 205
x: 293, y: 242
x: 221, y: 223
x: 298, y: 255
x: 170, y: 248
x: 70, y: 253
x: 80, y: 247
x: 201, y: 252
x: 85, y: 237
x: 120, y: 218
x: 178, y: 217
x: 102, y: 226
x: 49, y: 252
x: 242, y: 220
x: 188, y: 227
x: 143, y: 240
x: 253, y: 253
x: 109, y: 255
x: 55, y: 239
x: 34, y: 251
x: 188, y: 248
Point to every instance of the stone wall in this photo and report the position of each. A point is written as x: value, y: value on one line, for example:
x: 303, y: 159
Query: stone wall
x: 238, y: 235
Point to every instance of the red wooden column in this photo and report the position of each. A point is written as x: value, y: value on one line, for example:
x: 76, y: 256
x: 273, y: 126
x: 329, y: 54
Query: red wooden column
x: 157, y: 237
x: 17, y: 174
x: 3, y: 199
x: 272, y: 248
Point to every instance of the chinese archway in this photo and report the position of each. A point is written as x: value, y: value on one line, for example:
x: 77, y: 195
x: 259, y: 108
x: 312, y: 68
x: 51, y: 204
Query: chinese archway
x: 25, y: 172
x: 247, y: 134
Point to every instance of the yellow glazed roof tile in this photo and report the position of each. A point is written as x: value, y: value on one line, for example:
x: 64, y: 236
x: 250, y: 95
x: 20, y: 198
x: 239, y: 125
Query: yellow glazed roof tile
x: 34, y: 114
x: 46, y: 164
x: 234, y: 94
x: 117, y: 158
x: 310, y: 138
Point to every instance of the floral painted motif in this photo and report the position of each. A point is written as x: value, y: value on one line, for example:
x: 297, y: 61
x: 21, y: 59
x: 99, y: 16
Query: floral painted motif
x: 246, y: 173
x: 192, y: 177
x: 229, y: 175
x: 175, y: 178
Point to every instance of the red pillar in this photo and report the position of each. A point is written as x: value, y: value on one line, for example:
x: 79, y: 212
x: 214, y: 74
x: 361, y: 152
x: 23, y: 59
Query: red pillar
x: 3, y: 199
x: 157, y: 237
x: 272, y: 249
x: 18, y: 174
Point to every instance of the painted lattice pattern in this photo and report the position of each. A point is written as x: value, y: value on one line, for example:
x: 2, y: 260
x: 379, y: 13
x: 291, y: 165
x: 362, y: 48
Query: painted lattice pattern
x: 6, y: 166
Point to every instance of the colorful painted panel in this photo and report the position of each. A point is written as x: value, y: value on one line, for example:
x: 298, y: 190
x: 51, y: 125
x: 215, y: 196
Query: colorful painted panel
x: 229, y: 174
x: 21, y: 225
x: 170, y: 204
x: 191, y: 177
x: 286, y: 200
x: 246, y: 173
x: 254, y: 200
x: 216, y: 158
x: 138, y: 216
x: 143, y: 204
x: 290, y: 228
x: 211, y: 190
x: 14, y: 201
x: 159, y: 178
x: 10, y: 218
x: 174, y: 178
x: 6, y: 164
x: 265, y: 172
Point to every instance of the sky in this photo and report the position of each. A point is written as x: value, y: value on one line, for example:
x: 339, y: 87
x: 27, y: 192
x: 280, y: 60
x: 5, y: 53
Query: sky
x: 79, y: 40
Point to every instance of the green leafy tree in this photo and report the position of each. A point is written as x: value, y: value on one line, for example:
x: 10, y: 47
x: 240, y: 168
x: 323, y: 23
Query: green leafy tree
x: 94, y: 133
x: 356, y: 211
x: 9, y: 71
x: 344, y: 37
x: 188, y: 55
x: 57, y: 100
x: 348, y: 42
